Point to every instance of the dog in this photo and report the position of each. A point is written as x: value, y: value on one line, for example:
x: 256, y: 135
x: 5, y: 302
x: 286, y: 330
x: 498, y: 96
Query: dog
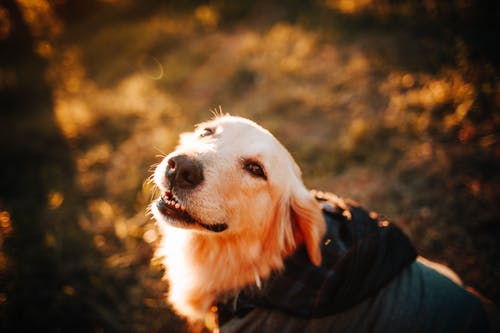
x: 248, y: 248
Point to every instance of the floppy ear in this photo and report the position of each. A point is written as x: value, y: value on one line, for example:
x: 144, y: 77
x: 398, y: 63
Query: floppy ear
x: 308, y: 218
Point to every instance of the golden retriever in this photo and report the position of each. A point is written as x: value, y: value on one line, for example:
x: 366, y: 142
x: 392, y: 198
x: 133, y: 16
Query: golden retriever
x: 232, y: 208
x: 232, y: 193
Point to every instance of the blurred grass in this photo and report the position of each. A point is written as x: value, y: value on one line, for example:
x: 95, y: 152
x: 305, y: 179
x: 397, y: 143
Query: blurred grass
x: 392, y: 104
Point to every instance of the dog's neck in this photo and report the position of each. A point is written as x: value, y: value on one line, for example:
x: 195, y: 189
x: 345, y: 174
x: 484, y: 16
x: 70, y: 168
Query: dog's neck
x: 207, y: 266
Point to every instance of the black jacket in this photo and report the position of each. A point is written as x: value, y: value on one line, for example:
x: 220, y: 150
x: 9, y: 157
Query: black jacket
x: 368, y: 281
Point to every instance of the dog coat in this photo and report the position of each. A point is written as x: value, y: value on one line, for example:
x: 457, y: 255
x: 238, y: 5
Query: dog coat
x: 368, y: 281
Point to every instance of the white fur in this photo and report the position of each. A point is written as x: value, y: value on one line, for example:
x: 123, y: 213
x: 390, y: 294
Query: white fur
x: 267, y: 218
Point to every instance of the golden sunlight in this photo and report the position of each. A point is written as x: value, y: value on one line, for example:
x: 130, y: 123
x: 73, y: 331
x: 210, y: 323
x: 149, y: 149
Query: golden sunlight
x: 5, y: 220
x: 348, y: 6
x: 207, y: 16
x: 41, y: 18
x: 5, y: 23
x: 150, y: 236
x: 55, y: 199
x: 407, y: 92
x: 395, y: 117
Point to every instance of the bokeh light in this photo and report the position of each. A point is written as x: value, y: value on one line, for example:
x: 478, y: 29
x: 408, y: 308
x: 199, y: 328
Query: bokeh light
x: 402, y: 119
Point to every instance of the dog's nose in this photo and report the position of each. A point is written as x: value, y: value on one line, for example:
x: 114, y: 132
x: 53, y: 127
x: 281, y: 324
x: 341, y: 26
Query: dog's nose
x: 184, y: 172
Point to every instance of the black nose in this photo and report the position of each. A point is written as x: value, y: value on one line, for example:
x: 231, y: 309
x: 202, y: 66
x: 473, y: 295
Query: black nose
x: 184, y: 172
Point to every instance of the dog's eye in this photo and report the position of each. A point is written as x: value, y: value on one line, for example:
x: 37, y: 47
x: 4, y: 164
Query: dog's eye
x: 207, y: 132
x: 255, y: 169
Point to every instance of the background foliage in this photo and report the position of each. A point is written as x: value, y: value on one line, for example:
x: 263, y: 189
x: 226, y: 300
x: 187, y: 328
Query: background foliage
x: 392, y: 103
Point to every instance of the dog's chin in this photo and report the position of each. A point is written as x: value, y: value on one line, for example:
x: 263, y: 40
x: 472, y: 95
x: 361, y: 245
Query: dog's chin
x: 171, y: 211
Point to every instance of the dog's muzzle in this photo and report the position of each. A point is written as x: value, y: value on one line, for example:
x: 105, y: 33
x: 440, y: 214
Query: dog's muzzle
x: 184, y: 173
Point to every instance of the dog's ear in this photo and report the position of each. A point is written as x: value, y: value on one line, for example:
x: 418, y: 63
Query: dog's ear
x: 307, y: 216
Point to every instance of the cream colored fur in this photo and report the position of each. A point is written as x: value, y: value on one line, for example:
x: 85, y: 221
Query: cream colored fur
x: 267, y: 218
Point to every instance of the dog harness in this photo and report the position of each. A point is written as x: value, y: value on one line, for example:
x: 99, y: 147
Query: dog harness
x: 361, y: 253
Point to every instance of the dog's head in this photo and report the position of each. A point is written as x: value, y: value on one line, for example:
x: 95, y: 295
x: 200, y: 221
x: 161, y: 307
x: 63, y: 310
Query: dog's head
x: 232, y: 177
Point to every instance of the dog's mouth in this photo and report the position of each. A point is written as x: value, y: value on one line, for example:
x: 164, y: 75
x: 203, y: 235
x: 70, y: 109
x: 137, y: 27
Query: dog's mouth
x: 170, y: 206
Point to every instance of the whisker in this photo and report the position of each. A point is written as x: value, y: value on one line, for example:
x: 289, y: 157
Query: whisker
x: 149, y: 215
x: 149, y: 180
x: 153, y: 167
x: 160, y: 151
x: 153, y: 195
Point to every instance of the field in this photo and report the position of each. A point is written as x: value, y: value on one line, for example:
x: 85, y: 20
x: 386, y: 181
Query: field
x: 395, y: 106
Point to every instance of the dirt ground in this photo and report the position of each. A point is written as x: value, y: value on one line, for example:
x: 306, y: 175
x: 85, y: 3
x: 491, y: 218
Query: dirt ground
x: 390, y: 106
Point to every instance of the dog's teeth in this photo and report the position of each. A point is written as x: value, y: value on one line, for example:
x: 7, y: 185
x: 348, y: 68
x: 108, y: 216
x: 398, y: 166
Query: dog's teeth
x: 171, y: 201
